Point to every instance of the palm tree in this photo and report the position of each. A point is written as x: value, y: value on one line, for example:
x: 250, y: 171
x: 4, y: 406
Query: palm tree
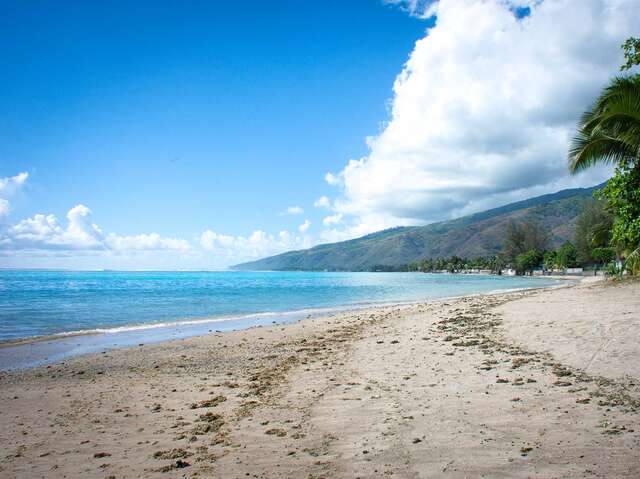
x: 610, y: 131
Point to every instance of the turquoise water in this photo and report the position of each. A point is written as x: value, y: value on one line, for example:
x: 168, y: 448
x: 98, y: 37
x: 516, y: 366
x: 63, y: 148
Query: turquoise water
x: 41, y: 303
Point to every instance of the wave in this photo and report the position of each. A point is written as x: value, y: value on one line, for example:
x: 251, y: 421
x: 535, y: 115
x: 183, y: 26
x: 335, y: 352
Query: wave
x: 194, y: 322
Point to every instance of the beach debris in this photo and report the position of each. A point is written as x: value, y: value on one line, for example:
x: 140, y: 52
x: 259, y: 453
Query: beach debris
x: 179, y: 464
x: 561, y: 371
x: 466, y: 344
x: 562, y: 383
x: 208, y: 402
x: 517, y: 362
x: 276, y: 432
x: 178, y: 453
x: 99, y: 455
x: 525, y: 450
x: 212, y: 422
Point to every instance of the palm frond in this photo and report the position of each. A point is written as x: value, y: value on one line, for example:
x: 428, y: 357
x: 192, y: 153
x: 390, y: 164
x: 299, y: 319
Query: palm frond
x: 589, y: 150
x: 609, y: 132
x: 632, y: 262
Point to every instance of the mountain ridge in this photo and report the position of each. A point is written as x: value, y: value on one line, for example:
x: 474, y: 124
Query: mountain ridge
x: 475, y: 235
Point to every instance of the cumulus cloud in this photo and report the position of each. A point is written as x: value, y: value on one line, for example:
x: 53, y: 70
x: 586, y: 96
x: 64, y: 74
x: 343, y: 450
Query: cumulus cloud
x: 47, y: 233
x: 304, y: 226
x: 234, y: 249
x: 322, y: 202
x: 4, y: 207
x: 483, y: 111
x: 332, y: 179
x: 415, y: 8
x: 146, y: 242
x: 332, y: 220
x: 10, y: 184
x: 45, y: 236
x: 293, y: 210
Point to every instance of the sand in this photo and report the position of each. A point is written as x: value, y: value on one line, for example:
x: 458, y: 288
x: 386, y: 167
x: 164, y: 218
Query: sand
x: 537, y: 384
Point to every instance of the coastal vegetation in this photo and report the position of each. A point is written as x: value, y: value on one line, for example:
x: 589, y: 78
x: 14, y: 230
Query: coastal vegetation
x: 477, y: 237
x: 526, y: 249
x: 609, y: 133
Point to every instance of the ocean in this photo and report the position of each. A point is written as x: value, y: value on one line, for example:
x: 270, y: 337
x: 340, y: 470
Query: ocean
x: 88, y: 311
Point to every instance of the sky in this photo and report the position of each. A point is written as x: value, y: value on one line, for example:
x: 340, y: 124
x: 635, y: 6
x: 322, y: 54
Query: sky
x: 173, y: 135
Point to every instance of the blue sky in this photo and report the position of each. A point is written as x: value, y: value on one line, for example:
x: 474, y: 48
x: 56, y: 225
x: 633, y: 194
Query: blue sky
x: 175, y: 119
x: 169, y: 135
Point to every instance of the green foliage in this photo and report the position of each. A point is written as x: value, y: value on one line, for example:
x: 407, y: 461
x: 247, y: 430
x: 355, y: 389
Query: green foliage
x: 526, y: 262
x: 567, y: 256
x: 631, y: 48
x: 550, y: 259
x: 603, y: 255
x: 613, y: 269
x: 632, y: 263
x: 623, y: 195
x: 593, y: 230
x: 523, y: 237
x: 453, y: 264
x: 610, y: 131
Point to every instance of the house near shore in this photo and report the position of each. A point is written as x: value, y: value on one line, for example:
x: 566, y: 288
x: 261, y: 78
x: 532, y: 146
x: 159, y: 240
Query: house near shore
x: 573, y: 271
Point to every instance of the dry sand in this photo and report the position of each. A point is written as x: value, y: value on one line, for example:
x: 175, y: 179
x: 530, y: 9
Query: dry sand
x: 537, y: 384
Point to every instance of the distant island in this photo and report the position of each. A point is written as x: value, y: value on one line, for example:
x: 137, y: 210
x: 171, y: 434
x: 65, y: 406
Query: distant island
x: 480, y: 235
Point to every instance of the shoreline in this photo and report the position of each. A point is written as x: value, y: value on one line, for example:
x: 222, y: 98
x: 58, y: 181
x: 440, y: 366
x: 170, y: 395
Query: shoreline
x: 537, y: 383
x: 26, y: 353
x: 242, y: 316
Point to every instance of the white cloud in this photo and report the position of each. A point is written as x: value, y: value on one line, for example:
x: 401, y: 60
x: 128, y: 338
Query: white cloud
x: 4, y: 207
x: 483, y: 111
x: 10, y: 184
x: 332, y: 179
x: 322, y: 202
x: 42, y: 238
x: 415, y: 8
x: 304, y: 226
x: 293, y: 210
x: 332, y: 220
x: 146, y: 242
x: 235, y: 249
x: 46, y: 233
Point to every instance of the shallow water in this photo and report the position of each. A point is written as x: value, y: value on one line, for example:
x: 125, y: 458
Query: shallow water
x: 111, y: 309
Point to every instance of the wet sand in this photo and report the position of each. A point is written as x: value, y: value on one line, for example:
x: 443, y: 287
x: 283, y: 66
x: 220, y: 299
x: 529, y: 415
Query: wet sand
x: 524, y: 384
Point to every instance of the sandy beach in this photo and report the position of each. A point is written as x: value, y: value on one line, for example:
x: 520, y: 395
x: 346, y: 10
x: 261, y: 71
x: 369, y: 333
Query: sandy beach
x: 540, y: 384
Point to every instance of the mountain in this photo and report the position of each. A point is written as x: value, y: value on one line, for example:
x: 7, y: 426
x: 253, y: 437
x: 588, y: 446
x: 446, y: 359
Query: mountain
x: 476, y: 235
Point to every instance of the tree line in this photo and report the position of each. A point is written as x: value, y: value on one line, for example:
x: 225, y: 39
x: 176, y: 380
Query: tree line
x: 609, y: 133
x: 527, y: 247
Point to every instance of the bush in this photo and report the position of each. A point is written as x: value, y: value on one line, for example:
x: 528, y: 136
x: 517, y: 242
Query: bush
x: 527, y: 262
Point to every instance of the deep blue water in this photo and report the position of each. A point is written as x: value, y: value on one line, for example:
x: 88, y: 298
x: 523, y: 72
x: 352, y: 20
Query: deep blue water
x: 37, y: 303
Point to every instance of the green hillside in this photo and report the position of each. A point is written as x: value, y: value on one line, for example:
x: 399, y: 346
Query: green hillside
x: 471, y: 236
